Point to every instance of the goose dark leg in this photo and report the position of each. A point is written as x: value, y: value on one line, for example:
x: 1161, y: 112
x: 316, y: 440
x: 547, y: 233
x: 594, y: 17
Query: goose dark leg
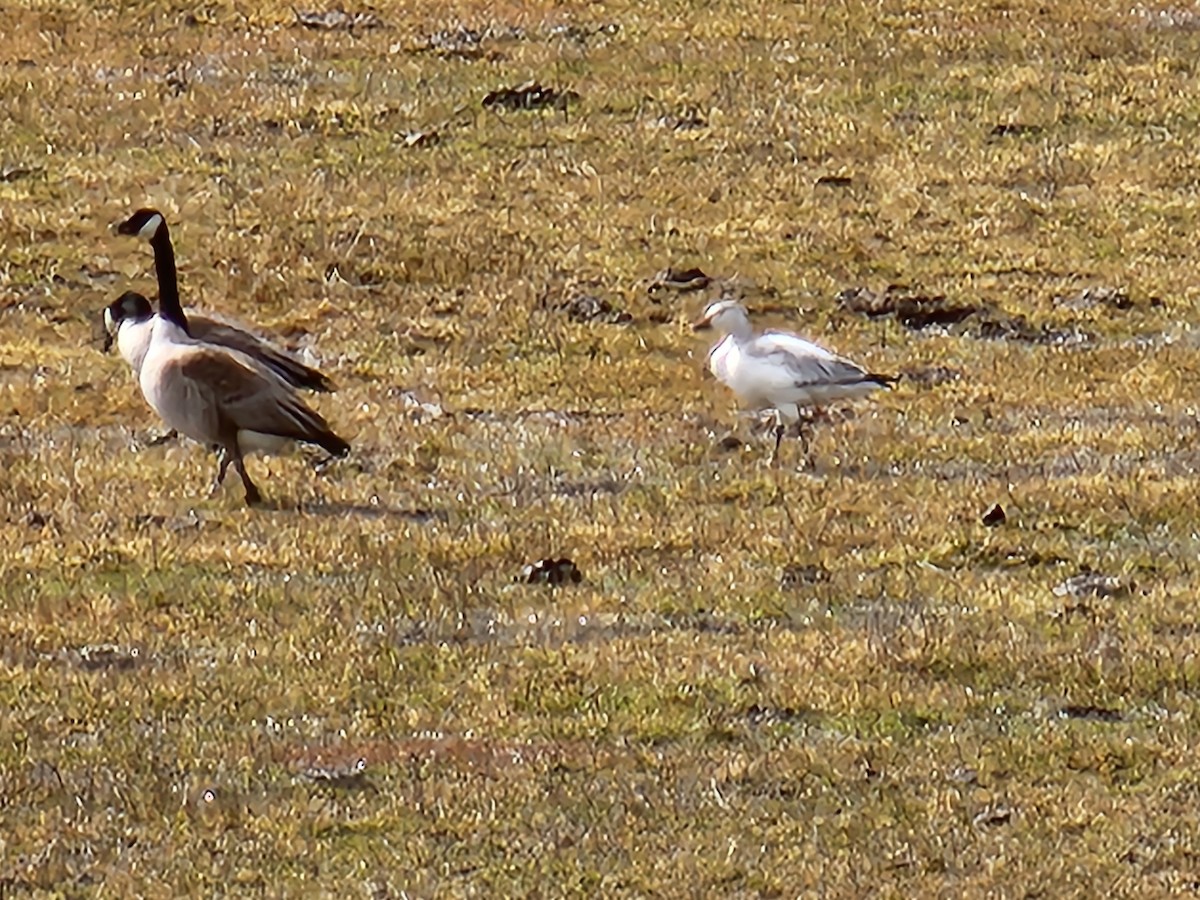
x: 253, y: 497
x: 222, y: 468
x: 780, y: 428
x: 231, y: 452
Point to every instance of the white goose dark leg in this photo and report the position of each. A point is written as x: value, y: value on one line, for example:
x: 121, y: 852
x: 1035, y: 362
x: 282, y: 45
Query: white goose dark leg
x: 807, y: 428
x: 780, y: 428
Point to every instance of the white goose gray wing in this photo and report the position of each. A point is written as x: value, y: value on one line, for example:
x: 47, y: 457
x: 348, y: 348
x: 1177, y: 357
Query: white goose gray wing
x: 788, y: 360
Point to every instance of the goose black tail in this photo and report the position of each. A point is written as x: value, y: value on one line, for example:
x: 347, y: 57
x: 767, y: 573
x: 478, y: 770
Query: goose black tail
x: 310, y: 426
x: 333, y: 445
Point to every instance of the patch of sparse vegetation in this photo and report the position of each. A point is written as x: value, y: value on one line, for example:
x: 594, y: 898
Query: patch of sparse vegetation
x: 854, y: 678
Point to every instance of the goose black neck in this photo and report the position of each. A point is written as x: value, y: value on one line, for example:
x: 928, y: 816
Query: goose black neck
x: 169, y: 306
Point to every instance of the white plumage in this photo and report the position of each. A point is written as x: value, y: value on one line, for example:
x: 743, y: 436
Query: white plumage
x: 779, y: 370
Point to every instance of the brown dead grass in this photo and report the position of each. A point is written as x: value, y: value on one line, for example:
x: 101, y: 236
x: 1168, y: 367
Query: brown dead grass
x: 771, y: 682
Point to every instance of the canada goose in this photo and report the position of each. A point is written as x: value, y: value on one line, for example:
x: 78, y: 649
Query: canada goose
x: 779, y: 370
x: 128, y: 321
x: 223, y: 398
x: 133, y: 321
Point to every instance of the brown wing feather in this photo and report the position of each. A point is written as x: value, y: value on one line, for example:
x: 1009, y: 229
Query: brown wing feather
x: 250, y: 400
x: 229, y: 379
x: 286, y: 366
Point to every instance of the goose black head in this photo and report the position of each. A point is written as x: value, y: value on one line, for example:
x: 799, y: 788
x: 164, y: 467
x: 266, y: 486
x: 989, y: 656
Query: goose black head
x: 144, y: 223
x: 129, y: 307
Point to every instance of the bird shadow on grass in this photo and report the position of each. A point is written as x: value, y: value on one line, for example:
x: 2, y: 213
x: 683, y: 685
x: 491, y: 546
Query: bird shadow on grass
x: 342, y: 509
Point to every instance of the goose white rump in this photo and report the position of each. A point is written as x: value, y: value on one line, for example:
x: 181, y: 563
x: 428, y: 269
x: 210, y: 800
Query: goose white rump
x: 779, y: 370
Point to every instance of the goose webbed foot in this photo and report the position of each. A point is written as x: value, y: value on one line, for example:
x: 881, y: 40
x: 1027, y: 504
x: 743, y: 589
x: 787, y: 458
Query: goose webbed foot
x: 159, y: 439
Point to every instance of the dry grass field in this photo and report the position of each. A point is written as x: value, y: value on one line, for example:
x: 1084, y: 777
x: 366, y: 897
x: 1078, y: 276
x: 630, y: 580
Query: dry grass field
x: 833, y: 680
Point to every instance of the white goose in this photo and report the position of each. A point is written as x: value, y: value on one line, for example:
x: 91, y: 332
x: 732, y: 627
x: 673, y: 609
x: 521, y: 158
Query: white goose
x: 779, y: 370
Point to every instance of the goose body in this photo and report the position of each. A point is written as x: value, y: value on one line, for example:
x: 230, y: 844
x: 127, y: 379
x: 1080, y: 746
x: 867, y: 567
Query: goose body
x: 779, y: 370
x: 214, y: 394
x: 219, y: 397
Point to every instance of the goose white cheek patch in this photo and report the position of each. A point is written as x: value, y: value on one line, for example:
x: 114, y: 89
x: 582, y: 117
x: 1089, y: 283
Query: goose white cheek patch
x: 147, y: 231
x: 109, y: 321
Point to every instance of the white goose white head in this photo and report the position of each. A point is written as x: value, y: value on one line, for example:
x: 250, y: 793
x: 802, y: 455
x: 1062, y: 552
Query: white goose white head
x: 726, y: 316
